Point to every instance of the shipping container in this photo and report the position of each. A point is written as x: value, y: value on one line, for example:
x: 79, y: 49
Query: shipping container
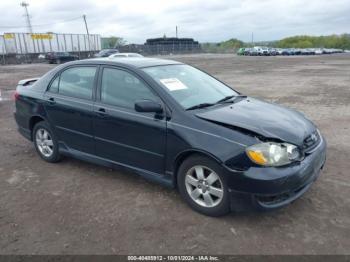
x: 35, y: 43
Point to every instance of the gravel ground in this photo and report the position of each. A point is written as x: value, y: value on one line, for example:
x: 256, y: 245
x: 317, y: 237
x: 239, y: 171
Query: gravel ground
x: 75, y: 207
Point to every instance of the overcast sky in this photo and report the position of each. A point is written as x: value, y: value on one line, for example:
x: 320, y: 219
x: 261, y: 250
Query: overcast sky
x: 204, y: 20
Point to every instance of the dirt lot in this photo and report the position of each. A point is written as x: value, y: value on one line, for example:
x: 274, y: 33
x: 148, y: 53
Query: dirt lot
x: 79, y: 208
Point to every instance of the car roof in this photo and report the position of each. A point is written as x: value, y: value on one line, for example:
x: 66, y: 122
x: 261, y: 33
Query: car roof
x: 138, y: 62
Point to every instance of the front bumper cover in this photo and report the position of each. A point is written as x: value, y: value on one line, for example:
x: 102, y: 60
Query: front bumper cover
x: 268, y: 188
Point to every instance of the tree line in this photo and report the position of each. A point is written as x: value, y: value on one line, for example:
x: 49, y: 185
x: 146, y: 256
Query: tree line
x: 331, y: 41
x: 303, y: 41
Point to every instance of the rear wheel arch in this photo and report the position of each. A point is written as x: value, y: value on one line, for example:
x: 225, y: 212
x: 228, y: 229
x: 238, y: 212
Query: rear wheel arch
x: 181, y: 157
x: 32, y: 122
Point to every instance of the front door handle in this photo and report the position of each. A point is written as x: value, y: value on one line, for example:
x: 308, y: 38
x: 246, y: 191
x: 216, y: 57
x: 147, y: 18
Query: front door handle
x: 101, y: 111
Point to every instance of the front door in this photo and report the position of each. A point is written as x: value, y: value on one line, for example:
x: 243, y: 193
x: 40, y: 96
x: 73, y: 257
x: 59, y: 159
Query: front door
x: 123, y: 135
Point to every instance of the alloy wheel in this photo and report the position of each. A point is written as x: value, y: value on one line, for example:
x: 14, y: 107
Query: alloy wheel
x: 44, y: 142
x: 204, y: 186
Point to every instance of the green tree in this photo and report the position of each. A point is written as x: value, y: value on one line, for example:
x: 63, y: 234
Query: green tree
x: 231, y: 44
x: 114, y: 41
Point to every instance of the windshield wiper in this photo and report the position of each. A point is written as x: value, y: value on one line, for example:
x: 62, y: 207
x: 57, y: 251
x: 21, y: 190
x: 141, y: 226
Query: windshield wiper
x: 226, y: 98
x: 202, y: 105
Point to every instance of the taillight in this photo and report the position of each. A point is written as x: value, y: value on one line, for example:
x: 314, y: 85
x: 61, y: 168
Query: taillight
x: 16, y: 95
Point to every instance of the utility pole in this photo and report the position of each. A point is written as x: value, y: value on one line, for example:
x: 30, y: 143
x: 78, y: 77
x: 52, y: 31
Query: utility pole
x: 87, y: 31
x: 252, y: 39
x: 176, y: 31
x: 29, y: 25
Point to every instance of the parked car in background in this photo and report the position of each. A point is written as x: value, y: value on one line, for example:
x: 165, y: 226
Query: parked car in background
x: 241, y: 51
x: 176, y: 125
x: 311, y: 51
x: 41, y: 56
x: 297, y: 51
x: 286, y: 51
x: 307, y: 51
x: 257, y: 49
x: 263, y: 51
x: 279, y: 51
x: 336, y: 51
x: 253, y: 51
x: 60, y: 57
x: 332, y: 51
x: 326, y: 51
x: 106, y: 52
x: 273, y: 51
x: 116, y: 55
x: 318, y: 51
x: 247, y: 51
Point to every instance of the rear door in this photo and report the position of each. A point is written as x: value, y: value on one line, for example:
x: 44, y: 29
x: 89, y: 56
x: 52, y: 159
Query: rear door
x: 123, y: 135
x: 69, y: 106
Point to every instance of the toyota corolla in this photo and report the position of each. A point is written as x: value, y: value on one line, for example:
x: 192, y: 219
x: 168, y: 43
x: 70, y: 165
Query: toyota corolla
x: 174, y: 124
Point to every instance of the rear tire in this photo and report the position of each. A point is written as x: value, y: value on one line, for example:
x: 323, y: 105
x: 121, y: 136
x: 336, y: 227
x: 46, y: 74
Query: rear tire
x: 45, y: 142
x: 203, y: 186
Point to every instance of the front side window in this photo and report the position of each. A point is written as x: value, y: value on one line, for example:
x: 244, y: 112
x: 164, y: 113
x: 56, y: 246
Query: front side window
x: 188, y: 85
x: 77, y: 82
x: 120, y: 88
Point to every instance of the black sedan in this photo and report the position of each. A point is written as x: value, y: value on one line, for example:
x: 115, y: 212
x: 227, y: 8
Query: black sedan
x: 60, y: 57
x: 176, y: 125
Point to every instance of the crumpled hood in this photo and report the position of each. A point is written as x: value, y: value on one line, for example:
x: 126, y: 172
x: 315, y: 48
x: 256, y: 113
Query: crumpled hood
x: 266, y: 119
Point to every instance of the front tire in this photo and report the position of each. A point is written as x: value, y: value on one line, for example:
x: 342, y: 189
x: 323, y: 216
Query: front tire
x: 203, y: 186
x: 45, y: 142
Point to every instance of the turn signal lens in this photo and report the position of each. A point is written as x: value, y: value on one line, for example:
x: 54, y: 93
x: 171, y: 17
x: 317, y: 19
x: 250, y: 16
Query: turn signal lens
x: 257, y: 157
x: 15, y: 95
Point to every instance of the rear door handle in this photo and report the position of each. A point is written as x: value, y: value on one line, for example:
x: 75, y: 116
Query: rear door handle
x: 52, y: 100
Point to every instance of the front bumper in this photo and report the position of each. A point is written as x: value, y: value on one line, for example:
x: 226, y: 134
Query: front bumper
x: 268, y: 188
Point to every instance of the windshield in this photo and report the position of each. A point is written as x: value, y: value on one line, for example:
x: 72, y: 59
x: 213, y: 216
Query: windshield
x: 188, y: 85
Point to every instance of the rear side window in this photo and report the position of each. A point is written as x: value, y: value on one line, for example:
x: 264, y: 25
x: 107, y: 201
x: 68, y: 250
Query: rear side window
x: 54, y: 85
x: 120, y: 88
x: 75, y: 82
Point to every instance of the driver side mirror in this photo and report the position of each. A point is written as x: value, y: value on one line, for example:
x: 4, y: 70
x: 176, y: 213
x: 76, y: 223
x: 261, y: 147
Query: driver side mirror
x: 148, y: 106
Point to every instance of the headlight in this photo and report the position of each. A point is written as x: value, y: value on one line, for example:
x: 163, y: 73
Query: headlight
x: 273, y: 154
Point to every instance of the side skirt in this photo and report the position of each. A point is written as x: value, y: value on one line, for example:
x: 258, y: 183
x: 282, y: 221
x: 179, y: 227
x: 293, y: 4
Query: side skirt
x: 165, y: 180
